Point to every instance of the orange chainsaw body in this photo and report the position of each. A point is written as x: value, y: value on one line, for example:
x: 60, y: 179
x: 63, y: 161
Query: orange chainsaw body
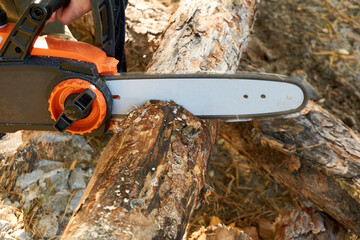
x: 53, y: 46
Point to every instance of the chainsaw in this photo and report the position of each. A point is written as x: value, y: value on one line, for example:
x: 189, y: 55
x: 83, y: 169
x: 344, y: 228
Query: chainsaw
x: 48, y: 83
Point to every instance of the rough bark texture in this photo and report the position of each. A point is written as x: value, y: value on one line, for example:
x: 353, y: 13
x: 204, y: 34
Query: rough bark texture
x: 314, y: 155
x: 205, y: 36
x: 148, y: 179
x: 145, y: 22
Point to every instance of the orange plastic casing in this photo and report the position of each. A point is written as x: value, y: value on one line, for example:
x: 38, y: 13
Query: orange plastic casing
x: 51, y: 46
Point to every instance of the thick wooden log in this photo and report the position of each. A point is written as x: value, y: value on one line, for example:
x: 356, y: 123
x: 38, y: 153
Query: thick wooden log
x: 314, y: 155
x: 205, y: 36
x: 148, y: 179
x: 151, y: 174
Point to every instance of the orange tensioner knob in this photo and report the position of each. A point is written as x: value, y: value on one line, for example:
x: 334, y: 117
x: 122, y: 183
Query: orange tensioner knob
x: 77, y: 106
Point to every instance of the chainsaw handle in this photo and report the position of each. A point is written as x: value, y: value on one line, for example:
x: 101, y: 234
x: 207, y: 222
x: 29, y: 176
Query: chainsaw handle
x: 28, y: 27
x: 56, y: 4
x: 102, y: 11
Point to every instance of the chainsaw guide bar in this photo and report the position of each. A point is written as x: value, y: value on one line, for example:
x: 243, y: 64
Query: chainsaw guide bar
x: 228, y: 97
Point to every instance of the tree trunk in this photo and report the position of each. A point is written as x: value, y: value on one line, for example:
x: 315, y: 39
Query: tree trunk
x: 314, y: 155
x: 149, y: 178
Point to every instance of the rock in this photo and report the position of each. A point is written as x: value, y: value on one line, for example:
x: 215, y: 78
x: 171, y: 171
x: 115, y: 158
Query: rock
x: 15, y: 204
x: 76, y: 180
x: 28, y: 178
x: 88, y: 174
x: 48, y: 226
x: 6, y: 236
x: 81, y: 143
x: 3, y: 195
x: 10, y: 143
x: 57, y: 177
x: 75, y: 200
x: 82, y: 150
x: 57, y: 202
x: 4, y: 225
x: 47, y: 165
x: 30, y: 193
x: 7, y: 213
x: 20, y: 235
x: 6, y: 201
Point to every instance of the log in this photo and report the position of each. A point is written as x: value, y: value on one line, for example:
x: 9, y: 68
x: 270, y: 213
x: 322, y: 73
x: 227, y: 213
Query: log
x: 149, y: 178
x: 143, y: 34
x: 315, y: 156
x: 205, y: 36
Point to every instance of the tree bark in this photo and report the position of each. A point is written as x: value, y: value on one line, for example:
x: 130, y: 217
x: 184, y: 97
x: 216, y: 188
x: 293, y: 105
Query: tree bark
x: 143, y: 33
x: 205, y: 36
x: 314, y: 155
x: 148, y: 179
x: 151, y: 174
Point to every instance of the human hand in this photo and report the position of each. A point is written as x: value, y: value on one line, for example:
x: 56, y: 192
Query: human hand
x: 71, y: 12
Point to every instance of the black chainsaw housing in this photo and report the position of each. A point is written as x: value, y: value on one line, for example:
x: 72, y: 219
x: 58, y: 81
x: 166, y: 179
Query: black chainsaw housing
x: 26, y: 87
x: 26, y: 81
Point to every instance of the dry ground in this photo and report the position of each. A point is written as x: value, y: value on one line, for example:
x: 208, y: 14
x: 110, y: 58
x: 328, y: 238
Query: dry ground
x: 316, y: 40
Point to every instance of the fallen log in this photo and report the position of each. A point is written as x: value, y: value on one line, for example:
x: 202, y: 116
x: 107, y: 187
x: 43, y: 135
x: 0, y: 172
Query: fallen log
x: 205, y: 36
x: 143, y: 34
x: 149, y: 178
x: 315, y: 156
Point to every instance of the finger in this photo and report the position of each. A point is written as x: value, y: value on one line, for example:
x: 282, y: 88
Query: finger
x: 52, y: 18
x: 73, y: 11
